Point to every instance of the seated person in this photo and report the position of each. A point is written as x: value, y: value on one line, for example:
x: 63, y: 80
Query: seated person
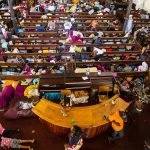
x: 51, y: 25
x: 97, y: 40
x: 76, y: 138
x: 77, y: 38
x: 93, y: 25
x: 40, y: 28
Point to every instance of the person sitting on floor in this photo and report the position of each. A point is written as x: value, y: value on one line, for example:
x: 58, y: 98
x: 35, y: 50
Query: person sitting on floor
x: 76, y: 138
x: 8, y: 143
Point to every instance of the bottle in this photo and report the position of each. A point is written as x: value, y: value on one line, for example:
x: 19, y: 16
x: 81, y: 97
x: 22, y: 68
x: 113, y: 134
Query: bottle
x: 99, y: 72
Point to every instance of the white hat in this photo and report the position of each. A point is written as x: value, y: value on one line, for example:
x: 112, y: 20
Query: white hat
x: 106, y: 10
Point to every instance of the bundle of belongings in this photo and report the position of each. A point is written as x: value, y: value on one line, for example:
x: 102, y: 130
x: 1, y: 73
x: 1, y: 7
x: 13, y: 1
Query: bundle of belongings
x: 19, y: 109
x: 69, y: 97
x: 12, y: 88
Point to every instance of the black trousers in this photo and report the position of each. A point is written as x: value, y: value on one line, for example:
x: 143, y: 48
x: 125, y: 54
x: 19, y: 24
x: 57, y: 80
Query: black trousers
x: 9, y: 132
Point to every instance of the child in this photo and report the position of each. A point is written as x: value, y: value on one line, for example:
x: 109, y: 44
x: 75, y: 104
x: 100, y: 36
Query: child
x: 76, y: 138
x: 8, y: 143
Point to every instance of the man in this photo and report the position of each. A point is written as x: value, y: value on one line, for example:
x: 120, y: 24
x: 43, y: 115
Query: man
x: 117, y: 123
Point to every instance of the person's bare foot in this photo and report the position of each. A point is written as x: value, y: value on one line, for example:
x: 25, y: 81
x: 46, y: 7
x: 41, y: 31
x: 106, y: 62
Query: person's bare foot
x: 32, y: 141
x: 18, y: 130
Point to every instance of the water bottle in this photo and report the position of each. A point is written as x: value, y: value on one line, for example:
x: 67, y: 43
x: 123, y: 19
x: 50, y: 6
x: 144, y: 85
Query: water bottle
x: 99, y: 72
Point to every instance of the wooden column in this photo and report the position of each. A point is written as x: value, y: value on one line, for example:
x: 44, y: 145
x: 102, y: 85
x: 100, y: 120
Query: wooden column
x: 28, y: 6
x: 128, y: 13
x: 13, y: 18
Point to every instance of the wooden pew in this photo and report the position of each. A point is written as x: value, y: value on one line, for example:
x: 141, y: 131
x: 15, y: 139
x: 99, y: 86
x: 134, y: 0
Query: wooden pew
x: 56, y: 33
x: 39, y: 34
x: 45, y: 40
x: 74, y: 80
x: 66, y: 18
x: 18, y: 77
x: 43, y: 55
x: 35, y: 48
x: 55, y: 46
x: 35, y: 16
x: 4, y: 64
x: 99, y: 28
x: 111, y: 62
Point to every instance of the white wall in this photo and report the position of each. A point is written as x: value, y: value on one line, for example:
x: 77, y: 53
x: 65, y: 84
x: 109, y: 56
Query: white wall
x: 142, y: 4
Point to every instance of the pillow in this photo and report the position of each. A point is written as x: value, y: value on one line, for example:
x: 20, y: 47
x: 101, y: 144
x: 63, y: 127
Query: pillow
x: 20, y: 30
x: 31, y: 90
x: 14, y: 114
x: 15, y: 110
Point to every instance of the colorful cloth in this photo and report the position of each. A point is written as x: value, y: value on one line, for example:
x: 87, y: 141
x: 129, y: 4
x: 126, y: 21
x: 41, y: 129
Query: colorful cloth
x: 1, y: 129
x: 6, y: 142
x: 53, y: 96
x: 10, y: 143
x: 20, y: 90
x: 6, y: 96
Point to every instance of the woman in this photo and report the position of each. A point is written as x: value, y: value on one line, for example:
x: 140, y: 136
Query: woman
x: 76, y: 138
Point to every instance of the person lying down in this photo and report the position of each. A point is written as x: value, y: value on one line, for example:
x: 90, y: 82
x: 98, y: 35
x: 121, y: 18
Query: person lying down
x: 11, y: 143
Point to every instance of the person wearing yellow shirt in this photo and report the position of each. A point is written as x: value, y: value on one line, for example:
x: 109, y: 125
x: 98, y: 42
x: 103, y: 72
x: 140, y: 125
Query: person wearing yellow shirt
x: 117, y: 123
x: 93, y: 25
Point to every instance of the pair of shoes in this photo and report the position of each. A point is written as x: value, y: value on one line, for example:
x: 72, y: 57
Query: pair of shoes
x: 109, y: 139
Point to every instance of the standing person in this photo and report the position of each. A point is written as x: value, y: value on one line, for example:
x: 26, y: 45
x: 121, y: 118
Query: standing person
x: 117, y: 123
x: 129, y: 25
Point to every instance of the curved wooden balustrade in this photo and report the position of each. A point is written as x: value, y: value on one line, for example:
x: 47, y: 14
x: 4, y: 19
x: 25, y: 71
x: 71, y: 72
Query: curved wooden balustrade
x: 84, y: 116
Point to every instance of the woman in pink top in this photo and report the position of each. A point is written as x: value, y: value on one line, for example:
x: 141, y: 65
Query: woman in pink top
x: 8, y: 143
